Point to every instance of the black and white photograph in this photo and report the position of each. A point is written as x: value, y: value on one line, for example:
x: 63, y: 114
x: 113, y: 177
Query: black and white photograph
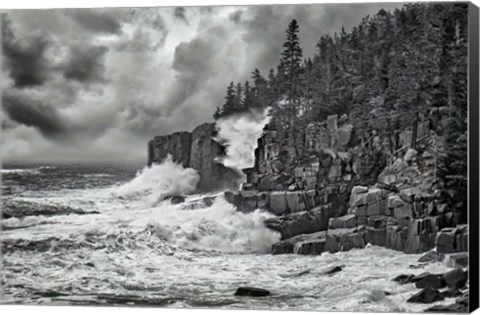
x: 300, y: 157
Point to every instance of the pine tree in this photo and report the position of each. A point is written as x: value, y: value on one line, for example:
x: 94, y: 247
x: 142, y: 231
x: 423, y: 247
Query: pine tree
x: 291, y: 68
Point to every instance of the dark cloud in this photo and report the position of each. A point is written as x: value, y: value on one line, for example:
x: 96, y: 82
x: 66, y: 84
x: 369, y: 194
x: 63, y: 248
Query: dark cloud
x: 236, y: 16
x: 139, y: 89
x: 96, y: 20
x: 179, y: 13
x: 27, y: 111
x: 24, y: 59
x: 86, y: 64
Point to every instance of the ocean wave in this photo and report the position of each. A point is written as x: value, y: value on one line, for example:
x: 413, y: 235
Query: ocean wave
x: 21, y: 171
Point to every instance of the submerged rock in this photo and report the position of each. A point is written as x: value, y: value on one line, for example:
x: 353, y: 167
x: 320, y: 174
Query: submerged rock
x: 251, y: 291
x: 427, y: 295
x: 175, y: 200
x: 333, y: 270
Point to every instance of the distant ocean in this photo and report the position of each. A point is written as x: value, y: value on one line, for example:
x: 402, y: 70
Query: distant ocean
x: 104, y: 235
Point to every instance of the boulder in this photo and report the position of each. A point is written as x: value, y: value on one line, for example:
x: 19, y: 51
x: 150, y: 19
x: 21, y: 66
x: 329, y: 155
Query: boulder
x: 175, y: 200
x: 404, y: 279
x: 455, y: 278
x: 451, y: 292
x: 277, y: 202
x: 289, y: 245
x: 456, y: 260
x: 295, y: 201
x: 431, y: 256
x: 345, y: 239
x: 303, y: 222
x: 310, y: 247
x: 444, y: 241
x: 251, y: 291
x: 333, y: 270
x: 345, y: 222
x: 430, y: 281
x: 427, y: 295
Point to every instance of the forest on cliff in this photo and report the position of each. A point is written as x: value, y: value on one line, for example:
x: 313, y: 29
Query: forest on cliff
x: 387, y: 72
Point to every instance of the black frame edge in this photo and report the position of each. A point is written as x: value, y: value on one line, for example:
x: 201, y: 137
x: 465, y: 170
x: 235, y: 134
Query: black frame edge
x: 473, y: 79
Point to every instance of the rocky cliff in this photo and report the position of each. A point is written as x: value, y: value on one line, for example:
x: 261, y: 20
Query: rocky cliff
x: 333, y: 187
x: 197, y: 150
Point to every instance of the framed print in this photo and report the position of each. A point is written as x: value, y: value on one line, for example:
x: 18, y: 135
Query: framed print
x: 305, y: 157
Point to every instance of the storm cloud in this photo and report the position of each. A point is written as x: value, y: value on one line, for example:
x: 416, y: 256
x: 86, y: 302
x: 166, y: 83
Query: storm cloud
x: 25, y: 59
x: 86, y: 64
x: 99, y: 20
x: 99, y: 83
x: 29, y: 112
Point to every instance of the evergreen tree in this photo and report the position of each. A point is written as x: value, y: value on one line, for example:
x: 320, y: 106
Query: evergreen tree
x: 291, y: 68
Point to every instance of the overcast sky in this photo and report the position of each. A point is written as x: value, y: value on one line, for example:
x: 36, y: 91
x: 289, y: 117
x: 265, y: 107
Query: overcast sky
x: 99, y: 83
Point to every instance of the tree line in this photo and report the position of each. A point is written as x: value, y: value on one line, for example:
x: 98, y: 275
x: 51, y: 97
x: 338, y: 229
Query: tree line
x: 393, y: 66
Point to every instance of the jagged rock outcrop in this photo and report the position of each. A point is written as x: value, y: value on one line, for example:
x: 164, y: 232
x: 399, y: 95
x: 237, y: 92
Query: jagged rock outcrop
x: 197, y: 150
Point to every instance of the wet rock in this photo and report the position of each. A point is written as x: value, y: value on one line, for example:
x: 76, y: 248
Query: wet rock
x: 175, y: 200
x: 427, y: 295
x: 251, y: 291
x: 333, y: 270
x: 456, y: 260
x: 303, y: 222
x: 345, y: 239
x: 451, y: 292
x: 176, y: 144
x: 310, y: 247
x: 377, y: 236
x: 455, y: 278
x: 404, y: 279
x: 291, y: 245
x: 430, y: 281
x: 464, y: 299
x: 205, y: 202
x: 444, y: 241
x: 431, y: 256
x: 450, y: 308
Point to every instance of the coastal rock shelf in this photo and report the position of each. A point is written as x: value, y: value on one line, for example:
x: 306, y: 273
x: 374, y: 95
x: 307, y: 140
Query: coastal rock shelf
x: 333, y: 187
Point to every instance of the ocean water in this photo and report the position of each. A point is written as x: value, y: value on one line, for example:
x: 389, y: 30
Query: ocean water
x: 128, y: 246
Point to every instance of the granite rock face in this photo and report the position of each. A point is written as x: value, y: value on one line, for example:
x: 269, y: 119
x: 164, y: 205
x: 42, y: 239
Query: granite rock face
x: 177, y: 144
x: 197, y: 150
